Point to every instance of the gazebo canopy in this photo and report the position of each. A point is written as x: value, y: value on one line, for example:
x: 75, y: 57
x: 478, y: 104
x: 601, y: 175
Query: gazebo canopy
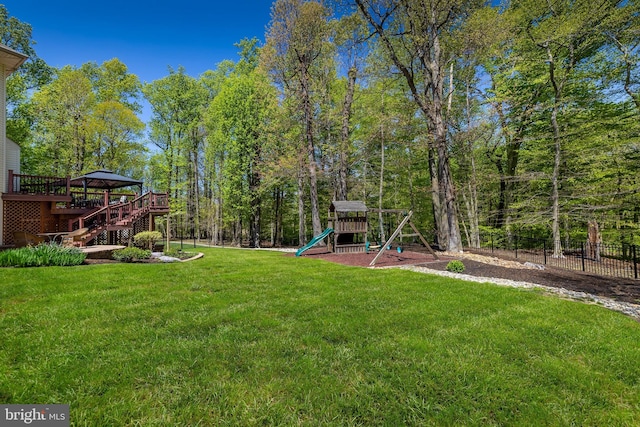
x: 103, y: 179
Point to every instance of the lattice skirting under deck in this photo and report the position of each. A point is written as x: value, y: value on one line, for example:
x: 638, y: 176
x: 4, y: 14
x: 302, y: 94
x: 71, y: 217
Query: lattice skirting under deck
x: 32, y: 217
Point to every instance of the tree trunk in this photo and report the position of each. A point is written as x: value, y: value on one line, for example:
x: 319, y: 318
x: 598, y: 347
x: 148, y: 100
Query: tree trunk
x: 439, y: 215
x: 555, y: 198
x: 557, y: 145
x: 507, y: 167
x: 454, y: 241
x: 311, y: 155
x: 302, y: 231
x: 471, y: 203
x: 383, y: 237
x: 254, y: 232
x: 255, y: 225
x: 275, y: 217
x: 594, y: 240
x: 196, y: 189
x: 278, y: 217
x: 342, y: 190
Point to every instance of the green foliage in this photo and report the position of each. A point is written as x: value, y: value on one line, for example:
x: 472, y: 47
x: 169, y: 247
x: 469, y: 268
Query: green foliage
x: 255, y: 337
x: 177, y: 102
x: 235, y: 147
x: 131, y: 254
x: 31, y: 75
x: 63, y: 110
x: 455, y: 266
x: 79, y: 127
x: 116, y: 133
x: 147, y: 238
x: 42, y: 255
x: 113, y: 82
x: 177, y: 253
x: 237, y: 121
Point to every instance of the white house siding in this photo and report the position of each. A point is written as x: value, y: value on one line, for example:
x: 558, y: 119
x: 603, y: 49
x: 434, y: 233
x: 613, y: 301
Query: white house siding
x: 13, y: 157
x: 3, y: 134
x: 3, y: 146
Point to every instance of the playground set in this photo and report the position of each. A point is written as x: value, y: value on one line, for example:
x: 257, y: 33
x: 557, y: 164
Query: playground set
x: 349, y: 225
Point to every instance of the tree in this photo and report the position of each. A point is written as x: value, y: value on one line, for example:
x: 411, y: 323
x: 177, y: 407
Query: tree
x: 74, y: 133
x: 116, y: 134
x: 177, y: 102
x: 350, y: 42
x: 237, y: 121
x: 619, y: 63
x: 295, y: 42
x: 33, y: 74
x: 416, y: 37
x: 112, y: 81
x: 560, y: 37
x: 63, y: 110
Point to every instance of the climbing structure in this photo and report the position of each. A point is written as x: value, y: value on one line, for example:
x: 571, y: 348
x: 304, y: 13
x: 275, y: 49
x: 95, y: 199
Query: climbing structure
x: 348, y: 219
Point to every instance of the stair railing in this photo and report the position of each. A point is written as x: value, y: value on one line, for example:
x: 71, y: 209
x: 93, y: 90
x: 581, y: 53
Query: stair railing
x: 118, y: 212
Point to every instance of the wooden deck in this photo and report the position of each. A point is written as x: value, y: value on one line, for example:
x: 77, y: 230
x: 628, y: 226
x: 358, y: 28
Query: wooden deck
x: 40, y: 204
x: 100, y: 251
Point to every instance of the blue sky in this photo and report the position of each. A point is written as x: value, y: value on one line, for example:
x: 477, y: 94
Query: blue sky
x: 147, y: 36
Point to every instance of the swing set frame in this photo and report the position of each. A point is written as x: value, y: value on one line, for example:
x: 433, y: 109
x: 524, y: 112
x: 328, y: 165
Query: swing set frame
x: 406, y: 220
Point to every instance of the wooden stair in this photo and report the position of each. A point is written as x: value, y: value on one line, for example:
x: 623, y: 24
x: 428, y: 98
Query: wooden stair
x: 120, y: 216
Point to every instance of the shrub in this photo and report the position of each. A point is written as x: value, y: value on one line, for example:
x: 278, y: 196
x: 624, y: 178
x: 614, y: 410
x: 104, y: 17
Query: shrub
x: 455, y: 266
x: 177, y: 253
x: 131, y: 254
x: 147, y: 239
x: 43, y: 255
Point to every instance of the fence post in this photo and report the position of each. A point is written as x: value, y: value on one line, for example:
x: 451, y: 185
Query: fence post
x: 544, y: 250
x: 582, y: 254
x: 516, y: 239
x: 10, y: 188
x: 635, y: 261
x: 491, y: 238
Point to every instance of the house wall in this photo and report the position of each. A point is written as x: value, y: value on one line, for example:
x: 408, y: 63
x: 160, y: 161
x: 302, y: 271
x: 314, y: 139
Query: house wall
x: 3, y: 146
x: 13, y: 157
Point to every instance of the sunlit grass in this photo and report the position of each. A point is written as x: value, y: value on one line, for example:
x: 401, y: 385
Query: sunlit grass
x: 248, y: 337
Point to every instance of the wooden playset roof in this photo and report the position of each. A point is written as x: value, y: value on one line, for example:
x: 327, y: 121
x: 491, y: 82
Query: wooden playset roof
x: 348, y: 206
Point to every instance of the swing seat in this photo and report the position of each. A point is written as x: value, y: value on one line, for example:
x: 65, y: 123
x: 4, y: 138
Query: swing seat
x: 368, y: 246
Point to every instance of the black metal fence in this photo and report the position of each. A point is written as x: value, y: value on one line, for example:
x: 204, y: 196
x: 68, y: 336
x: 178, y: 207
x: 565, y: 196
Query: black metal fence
x: 598, y: 258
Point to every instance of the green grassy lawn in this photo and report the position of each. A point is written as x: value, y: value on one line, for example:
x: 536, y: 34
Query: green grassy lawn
x: 253, y: 338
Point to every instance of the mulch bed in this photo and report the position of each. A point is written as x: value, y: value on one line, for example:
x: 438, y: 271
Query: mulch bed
x: 626, y: 290
x: 389, y: 258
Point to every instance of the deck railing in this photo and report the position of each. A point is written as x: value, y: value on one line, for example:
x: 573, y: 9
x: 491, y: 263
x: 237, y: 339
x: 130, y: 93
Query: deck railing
x: 151, y: 200
x: 57, y: 186
x: 37, y: 184
x: 116, y: 212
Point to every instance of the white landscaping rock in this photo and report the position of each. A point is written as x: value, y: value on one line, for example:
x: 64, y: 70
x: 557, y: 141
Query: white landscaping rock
x: 534, y: 266
x: 164, y: 258
x: 629, y: 309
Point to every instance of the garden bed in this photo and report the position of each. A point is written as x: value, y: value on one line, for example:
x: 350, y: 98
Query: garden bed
x: 620, y: 289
